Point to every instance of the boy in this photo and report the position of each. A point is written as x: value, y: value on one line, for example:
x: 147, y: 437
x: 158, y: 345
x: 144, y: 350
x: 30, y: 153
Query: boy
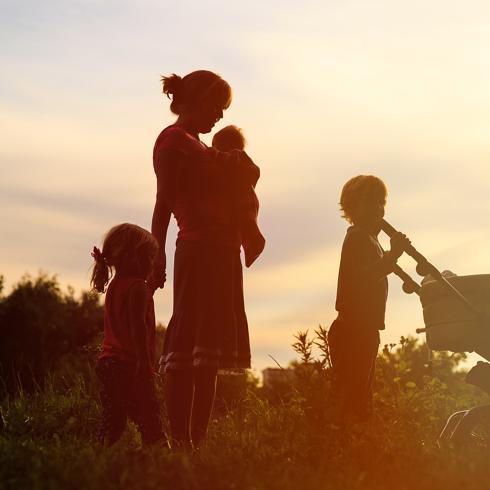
x: 226, y: 140
x: 362, y: 292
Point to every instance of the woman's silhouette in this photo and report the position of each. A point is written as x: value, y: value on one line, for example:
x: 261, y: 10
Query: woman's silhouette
x: 208, y: 329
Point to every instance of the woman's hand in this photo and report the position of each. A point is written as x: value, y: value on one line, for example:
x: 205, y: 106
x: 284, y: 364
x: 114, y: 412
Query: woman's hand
x: 158, y: 276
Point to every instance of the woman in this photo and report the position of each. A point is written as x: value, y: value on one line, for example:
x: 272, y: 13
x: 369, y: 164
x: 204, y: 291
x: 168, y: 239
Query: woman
x: 208, y: 329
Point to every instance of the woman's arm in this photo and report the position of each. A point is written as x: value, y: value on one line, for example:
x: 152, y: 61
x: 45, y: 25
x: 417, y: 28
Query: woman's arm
x: 167, y: 165
x: 234, y: 167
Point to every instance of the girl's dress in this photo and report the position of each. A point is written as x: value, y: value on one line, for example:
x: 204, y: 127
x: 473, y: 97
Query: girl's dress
x: 209, y: 326
x: 124, y: 392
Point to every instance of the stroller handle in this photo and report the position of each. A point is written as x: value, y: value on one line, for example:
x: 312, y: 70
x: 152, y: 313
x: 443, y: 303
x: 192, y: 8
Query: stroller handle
x: 424, y: 268
x: 409, y: 285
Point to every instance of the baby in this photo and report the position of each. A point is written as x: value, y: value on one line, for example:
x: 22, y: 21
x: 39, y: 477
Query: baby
x: 253, y: 242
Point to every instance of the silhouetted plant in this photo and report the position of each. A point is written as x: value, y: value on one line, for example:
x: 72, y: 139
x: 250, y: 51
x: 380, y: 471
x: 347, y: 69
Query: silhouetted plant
x: 321, y: 341
x: 303, y: 346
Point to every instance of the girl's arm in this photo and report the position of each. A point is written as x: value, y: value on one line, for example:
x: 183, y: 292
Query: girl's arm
x: 167, y: 164
x: 139, y: 295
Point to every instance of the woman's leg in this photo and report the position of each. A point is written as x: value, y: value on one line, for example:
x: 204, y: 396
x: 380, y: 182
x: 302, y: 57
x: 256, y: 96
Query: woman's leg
x: 204, y: 393
x: 179, y: 387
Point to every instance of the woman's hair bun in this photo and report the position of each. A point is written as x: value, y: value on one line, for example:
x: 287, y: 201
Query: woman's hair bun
x: 186, y: 92
x: 171, y: 85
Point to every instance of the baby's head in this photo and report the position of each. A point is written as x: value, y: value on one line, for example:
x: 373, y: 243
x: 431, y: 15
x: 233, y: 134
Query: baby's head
x: 229, y: 138
x: 363, y: 199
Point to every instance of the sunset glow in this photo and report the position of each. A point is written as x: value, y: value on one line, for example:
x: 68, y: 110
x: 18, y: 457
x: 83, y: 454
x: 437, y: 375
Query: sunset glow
x: 322, y: 90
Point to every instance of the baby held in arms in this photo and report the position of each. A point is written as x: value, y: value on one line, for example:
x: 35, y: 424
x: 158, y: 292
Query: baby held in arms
x: 246, y: 204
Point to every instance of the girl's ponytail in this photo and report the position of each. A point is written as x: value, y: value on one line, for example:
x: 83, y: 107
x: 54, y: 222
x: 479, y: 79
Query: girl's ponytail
x: 101, y: 272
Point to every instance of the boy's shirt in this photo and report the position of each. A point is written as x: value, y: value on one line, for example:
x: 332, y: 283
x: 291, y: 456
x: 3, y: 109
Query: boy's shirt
x: 362, y: 288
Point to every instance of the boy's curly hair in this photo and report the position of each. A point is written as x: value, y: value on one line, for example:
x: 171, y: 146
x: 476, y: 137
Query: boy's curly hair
x: 361, y: 191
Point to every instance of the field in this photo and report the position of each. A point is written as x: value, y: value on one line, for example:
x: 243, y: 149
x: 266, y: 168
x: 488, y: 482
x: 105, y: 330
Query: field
x: 275, y: 437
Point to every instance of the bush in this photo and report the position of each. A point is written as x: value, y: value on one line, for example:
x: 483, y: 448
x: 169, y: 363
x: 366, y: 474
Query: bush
x: 39, y: 325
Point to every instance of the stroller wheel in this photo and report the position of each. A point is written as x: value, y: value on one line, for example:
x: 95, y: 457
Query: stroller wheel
x: 452, y: 423
x: 473, y: 429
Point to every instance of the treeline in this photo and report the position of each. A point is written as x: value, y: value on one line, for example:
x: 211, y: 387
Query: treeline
x: 43, y: 328
x: 47, y: 333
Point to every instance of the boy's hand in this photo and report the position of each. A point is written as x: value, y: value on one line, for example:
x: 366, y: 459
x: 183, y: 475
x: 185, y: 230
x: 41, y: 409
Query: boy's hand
x: 399, y: 242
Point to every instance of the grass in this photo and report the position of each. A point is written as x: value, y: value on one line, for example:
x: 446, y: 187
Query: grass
x: 256, y: 441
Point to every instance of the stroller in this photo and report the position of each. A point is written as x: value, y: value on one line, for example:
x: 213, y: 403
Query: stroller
x: 457, y: 318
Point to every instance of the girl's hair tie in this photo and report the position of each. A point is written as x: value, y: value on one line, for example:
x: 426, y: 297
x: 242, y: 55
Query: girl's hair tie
x: 97, y: 255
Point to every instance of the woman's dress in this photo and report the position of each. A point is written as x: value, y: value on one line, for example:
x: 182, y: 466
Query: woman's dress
x: 209, y: 326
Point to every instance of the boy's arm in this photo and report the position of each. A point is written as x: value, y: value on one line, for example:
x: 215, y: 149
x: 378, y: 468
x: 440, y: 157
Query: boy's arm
x: 139, y: 296
x: 360, y: 249
x: 382, y: 267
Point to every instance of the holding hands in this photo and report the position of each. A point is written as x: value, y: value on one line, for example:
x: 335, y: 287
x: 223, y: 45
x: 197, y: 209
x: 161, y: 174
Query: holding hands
x: 159, y: 275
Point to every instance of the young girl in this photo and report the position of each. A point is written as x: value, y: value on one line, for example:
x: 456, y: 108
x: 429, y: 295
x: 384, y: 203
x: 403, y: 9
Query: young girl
x: 361, y: 295
x: 125, y: 366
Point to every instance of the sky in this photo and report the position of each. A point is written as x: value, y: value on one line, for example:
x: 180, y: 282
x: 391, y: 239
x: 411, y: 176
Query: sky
x: 324, y: 90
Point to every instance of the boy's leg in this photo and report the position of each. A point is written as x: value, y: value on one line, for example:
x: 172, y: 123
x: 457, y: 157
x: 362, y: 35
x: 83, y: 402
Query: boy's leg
x: 359, y: 376
x: 204, y: 394
x: 361, y: 389
x: 179, y: 388
x: 113, y: 396
x: 353, y: 358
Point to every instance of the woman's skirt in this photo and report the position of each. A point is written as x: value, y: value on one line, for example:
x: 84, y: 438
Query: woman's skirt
x: 209, y: 326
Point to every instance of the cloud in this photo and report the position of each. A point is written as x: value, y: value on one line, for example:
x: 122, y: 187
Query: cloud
x: 323, y: 90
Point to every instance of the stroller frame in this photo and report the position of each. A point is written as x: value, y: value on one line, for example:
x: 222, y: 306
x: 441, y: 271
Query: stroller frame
x: 464, y: 427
